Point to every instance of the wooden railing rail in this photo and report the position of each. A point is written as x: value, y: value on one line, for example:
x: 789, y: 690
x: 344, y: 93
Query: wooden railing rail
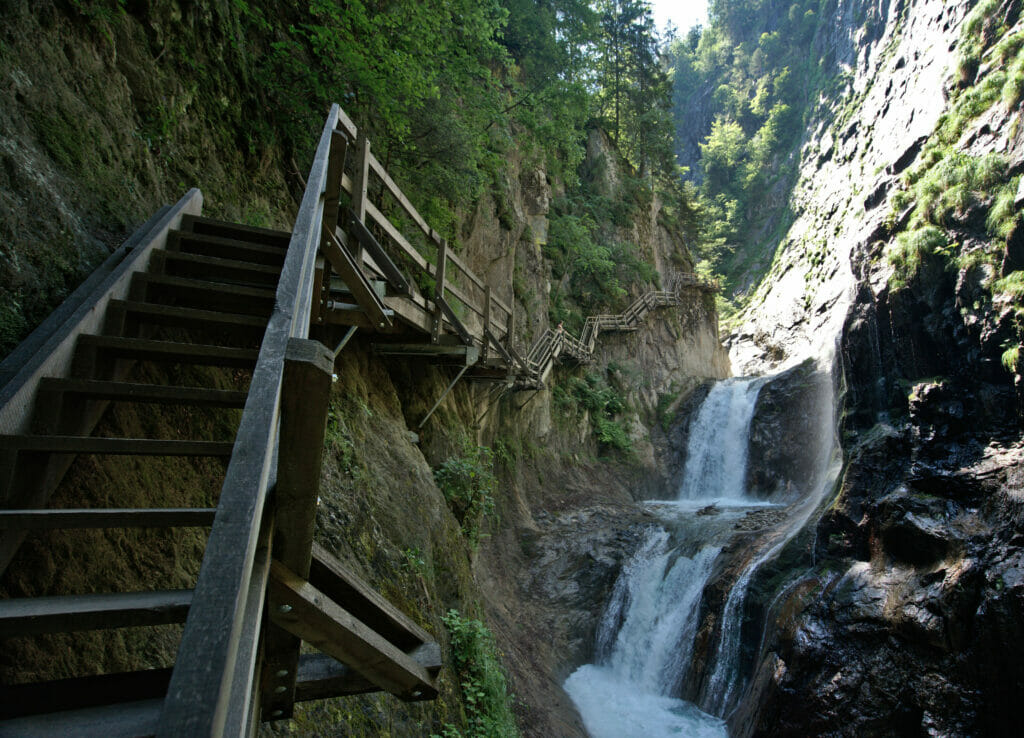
x: 455, y: 283
x: 210, y: 692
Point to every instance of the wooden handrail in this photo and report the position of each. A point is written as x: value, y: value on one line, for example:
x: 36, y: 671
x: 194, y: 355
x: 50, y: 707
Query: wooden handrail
x: 210, y: 687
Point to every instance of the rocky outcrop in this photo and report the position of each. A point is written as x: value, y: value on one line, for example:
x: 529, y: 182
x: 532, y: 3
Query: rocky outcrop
x: 790, y: 433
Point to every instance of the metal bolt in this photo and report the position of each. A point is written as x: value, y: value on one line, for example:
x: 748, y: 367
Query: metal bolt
x: 280, y: 690
x: 277, y: 713
x: 284, y: 608
x: 281, y: 673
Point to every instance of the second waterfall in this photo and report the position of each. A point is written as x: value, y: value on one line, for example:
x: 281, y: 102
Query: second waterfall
x: 645, y: 641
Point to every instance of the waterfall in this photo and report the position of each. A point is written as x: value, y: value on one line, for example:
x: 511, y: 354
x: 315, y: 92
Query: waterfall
x: 716, y: 454
x: 646, y: 634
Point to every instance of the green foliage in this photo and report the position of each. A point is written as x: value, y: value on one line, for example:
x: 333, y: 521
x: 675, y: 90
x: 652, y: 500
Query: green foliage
x: 1011, y: 358
x: 762, y: 86
x: 955, y: 183
x: 468, y: 483
x: 481, y: 679
x: 1012, y: 285
x: 910, y: 250
x: 593, y: 394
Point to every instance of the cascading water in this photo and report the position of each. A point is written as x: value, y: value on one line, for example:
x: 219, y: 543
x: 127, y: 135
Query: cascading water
x: 645, y: 639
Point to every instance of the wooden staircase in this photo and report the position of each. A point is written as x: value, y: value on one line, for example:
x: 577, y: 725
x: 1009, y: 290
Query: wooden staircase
x: 187, y: 292
x: 235, y: 330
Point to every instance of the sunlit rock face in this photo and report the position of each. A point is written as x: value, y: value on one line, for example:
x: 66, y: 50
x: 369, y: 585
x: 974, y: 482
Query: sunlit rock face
x: 895, y: 61
x: 908, y: 619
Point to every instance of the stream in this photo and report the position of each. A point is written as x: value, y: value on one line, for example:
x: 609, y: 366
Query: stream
x: 645, y: 640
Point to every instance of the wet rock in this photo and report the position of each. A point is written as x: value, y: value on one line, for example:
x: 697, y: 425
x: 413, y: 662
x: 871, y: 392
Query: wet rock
x: 789, y: 432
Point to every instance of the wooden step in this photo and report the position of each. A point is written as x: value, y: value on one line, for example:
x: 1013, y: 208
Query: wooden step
x: 217, y: 269
x: 162, y: 288
x: 48, y: 519
x: 214, y: 227
x: 160, y: 394
x: 125, y: 720
x: 69, y: 613
x: 155, y: 313
x: 77, y: 693
x: 225, y: 248
x: 175, y: 352
x: 115, y: 446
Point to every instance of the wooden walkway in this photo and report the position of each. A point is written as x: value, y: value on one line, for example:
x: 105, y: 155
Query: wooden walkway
x: 275, y: 309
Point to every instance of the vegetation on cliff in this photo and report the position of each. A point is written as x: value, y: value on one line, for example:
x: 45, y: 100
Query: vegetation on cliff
x: 744, y: 88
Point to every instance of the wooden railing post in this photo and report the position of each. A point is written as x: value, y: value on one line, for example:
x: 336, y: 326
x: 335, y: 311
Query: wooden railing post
x: 305, y: 394
x: 511, y: 325
x: 359, y: 189
x: 442, y: 260
x: 487, y: 322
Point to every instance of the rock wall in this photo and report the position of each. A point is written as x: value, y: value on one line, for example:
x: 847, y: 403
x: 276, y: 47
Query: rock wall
x: 899, y: 611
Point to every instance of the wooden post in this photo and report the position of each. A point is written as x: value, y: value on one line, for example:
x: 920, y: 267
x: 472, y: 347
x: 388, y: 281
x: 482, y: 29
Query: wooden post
x: 511, y: 325
x: 442, y: 260
x: 359, y: 189
x: 335, y: 169
x: 305, y: 393
x: 487, y: 322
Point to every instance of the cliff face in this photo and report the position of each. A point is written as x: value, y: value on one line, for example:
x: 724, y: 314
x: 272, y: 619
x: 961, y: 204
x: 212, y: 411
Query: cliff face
x: 97, y: 129
x: 901, y: 614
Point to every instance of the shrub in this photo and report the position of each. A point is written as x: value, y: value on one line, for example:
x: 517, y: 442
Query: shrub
x: 481, y: 681
x: 468, y: 483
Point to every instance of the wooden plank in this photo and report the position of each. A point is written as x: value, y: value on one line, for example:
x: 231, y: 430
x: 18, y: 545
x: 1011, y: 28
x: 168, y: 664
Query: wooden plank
x: 163, y: 394
x: 229, y: 297
x: 211, y: 651
x: 50, y: 519
x: 115, y: 446
x: 170, y: 351
x: 226, y: 248
x: 380, y: 257
x: 356, y: 281
x: 322, y: 677
x: 218, y: 269
x: 360, y: 183
x: 439, y: 276
x: 402, y: 200
x: 244, y: 689
x: 205, y: 225
x: 396, y: 236
x: 332, y: 578
x: 410, y: 313
x: 17, y: 700
x: 70, y: 613
x: 320, y: 621
x: 159, y: 314
x: 127, y: 720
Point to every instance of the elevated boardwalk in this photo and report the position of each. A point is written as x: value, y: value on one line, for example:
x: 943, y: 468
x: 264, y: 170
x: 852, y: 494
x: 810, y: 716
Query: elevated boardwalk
x: 275, y: 309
